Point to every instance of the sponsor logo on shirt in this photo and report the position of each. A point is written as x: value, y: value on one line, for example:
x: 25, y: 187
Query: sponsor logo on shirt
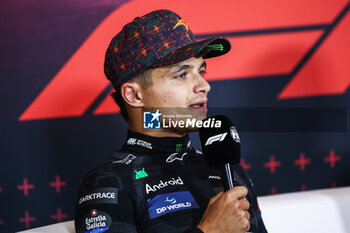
x: 214, y: 177
x: 170, y: 202
x: 98, y: 230
x: 178, y: 148
x: 140, y: 174
x: 93, y: 212
x: 127, y: 160
x: 175, y: 156
x: 99, y: 195
x: 162, y: 184
x: 96, y: 222
x: 139, y: 142
x: 199, y: 152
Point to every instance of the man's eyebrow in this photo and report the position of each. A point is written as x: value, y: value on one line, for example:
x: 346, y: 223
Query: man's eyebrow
x: 178, y: 68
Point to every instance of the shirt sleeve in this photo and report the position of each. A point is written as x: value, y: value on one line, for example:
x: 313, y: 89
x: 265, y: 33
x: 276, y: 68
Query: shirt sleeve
x: 105, y: 204
x: 256, y: 222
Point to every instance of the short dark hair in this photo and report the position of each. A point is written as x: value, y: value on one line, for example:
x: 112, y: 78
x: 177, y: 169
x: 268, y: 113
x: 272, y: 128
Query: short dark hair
x: 144, y: 79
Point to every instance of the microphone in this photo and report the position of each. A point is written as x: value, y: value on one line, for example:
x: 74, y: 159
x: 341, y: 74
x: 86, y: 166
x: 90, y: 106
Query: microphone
x: 221, y: 147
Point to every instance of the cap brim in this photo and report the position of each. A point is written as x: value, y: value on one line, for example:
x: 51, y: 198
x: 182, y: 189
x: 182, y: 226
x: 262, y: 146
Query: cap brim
x: 217, y: 47
x: 214, y: 47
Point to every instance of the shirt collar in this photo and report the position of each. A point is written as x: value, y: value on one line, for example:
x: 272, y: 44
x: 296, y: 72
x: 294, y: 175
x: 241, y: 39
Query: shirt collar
x: 150, y: 145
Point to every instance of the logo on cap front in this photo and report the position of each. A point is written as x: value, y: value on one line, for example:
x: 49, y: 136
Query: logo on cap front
x: 181, y: 22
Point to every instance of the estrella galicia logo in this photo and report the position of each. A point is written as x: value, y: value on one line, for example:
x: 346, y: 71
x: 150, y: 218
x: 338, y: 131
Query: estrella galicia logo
x: 170, y: 202
x: 96, y: 221
x: 151, y: 120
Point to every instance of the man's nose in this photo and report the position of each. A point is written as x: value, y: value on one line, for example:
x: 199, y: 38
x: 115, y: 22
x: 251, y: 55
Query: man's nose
x: 201, y: 86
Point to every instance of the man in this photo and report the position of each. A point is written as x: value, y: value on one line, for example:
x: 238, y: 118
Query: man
x: 158, y: 182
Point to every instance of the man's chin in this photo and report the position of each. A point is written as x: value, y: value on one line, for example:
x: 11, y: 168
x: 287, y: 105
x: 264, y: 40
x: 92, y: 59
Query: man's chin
x: 187, y: 129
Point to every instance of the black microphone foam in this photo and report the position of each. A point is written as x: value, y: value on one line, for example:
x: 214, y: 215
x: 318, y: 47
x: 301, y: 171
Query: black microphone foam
x: 220, y: 145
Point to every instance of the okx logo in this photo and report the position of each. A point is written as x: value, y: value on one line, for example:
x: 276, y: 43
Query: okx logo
x: 151, y: 120
x: 162, y: 204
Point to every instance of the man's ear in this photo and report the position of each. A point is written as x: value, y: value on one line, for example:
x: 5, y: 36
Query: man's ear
x: 131, y: 93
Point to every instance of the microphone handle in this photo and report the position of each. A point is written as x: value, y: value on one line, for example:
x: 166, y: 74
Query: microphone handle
x: 227, y: 176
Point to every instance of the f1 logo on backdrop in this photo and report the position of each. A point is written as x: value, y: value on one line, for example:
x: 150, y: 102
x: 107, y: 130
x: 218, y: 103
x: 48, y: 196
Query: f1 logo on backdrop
x: 307, y: 40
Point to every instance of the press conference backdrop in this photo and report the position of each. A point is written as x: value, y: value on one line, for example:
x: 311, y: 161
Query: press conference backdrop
x: 285, y: 85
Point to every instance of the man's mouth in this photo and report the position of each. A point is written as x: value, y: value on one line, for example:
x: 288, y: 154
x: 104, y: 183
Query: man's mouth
x: 199, y: 105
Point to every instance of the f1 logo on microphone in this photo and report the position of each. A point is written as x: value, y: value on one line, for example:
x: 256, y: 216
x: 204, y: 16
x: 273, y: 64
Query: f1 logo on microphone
x: 219, y: 137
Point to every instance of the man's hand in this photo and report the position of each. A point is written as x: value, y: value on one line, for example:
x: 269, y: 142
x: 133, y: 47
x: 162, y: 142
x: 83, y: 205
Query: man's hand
x: 227, y: 212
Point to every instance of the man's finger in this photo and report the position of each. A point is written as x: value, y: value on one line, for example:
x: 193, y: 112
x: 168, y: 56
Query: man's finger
x: 216, y: 197
x: 247, y: 215
x: 245, y: 204
x: 238, y: 192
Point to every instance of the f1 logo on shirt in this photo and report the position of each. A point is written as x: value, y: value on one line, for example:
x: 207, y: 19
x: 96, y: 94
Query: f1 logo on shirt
x: 170, y: 202
x: 151, y: 120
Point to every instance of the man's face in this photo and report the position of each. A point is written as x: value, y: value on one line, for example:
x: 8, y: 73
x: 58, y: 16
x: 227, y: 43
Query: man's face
x: 180, y: 88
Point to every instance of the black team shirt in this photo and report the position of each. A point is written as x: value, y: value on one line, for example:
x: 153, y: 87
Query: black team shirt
x: 153, y: 185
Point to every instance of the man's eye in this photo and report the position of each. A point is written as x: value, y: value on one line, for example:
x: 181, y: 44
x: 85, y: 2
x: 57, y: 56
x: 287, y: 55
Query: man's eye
x: 181, y: 76
x: 203, y: 72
